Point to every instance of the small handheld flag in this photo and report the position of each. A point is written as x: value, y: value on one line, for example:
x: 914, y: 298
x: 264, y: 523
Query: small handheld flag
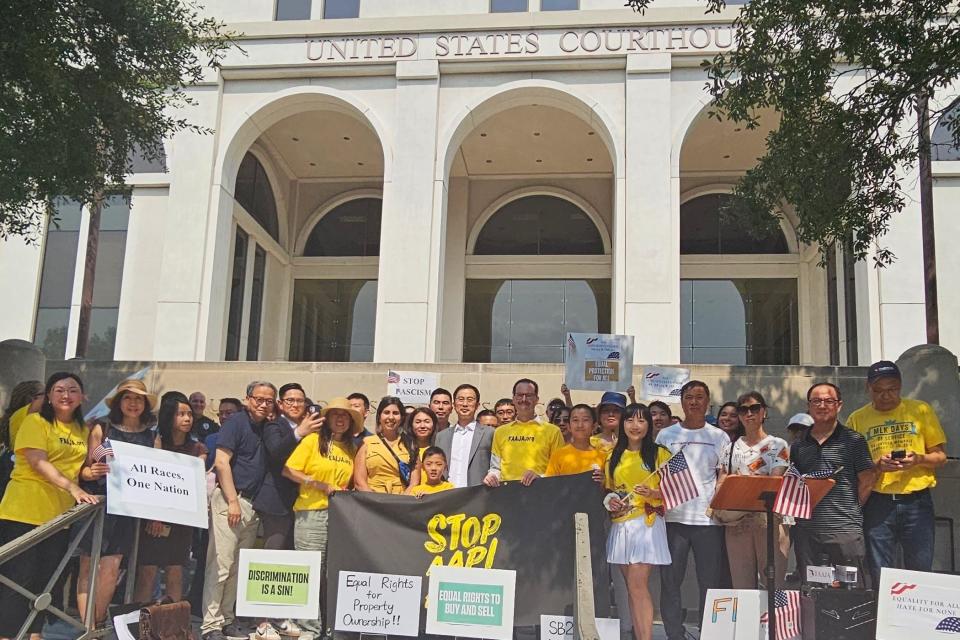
x: 676, y: 482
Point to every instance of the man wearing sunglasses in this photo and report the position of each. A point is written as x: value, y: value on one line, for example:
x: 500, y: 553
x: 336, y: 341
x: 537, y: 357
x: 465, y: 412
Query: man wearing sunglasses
x: 906, y: 444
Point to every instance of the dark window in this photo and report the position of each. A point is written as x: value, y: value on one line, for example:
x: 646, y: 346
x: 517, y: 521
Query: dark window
x: 528, y: 320
x: 333, y: 320
x: 740, y: 322
x: 108, y: 277
x: 705, y: 230
x: 941, y: 140
x: 341, y: 9
x: 254, y: 193
x: 507, y: 6
x: 237, y: 282
x: 352, y: 229
x: 850, y: 304
x: 559, y: 5
x: 539, y: 225
x: 148, y: 160
x: 256, y: 303
x: 293, y: 9
x: 833, y: 314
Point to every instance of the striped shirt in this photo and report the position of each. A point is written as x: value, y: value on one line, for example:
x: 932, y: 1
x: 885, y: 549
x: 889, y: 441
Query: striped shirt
x: 839, y: 510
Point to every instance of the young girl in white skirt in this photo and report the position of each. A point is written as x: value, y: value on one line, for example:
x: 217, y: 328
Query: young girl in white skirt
x: 638, y: 537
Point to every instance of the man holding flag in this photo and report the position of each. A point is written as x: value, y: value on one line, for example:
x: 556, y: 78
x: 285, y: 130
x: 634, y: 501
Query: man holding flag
x: 834, y: 530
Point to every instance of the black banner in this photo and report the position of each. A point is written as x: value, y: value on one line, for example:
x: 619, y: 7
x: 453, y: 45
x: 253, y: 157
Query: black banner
x: 528, y: 529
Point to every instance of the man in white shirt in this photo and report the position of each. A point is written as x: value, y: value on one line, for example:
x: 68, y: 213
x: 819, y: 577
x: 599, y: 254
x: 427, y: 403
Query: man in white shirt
x: 688, y: 526
x: 466, y: 444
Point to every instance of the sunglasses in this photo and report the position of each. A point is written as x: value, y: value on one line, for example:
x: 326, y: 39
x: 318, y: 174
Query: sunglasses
x: 752, y: 409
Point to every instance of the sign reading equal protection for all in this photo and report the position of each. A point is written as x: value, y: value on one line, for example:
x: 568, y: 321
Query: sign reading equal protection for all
x: 599, y: 361
x: 471, y: 603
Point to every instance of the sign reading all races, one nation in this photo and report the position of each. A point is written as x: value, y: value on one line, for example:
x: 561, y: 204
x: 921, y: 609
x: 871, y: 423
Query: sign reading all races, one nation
x: 599, y: 361
x: 529, y: 530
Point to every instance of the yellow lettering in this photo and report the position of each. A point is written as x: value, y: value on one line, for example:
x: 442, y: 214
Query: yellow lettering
x: 491, y: 553
x: 491, y: 524
x: 470, y: 532
x: 454, y: 523
x: 439, y: 541
x: 475, y: 556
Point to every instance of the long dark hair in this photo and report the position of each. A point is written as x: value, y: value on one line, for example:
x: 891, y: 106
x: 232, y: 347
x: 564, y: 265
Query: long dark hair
x: 648, y: 447
x: 326, y: 437
x: 21, y: 396
x: 736, y: 405
x: 167, y: 416
x: 46, y: 411
x: 427, y: 411
x: 406, y: 438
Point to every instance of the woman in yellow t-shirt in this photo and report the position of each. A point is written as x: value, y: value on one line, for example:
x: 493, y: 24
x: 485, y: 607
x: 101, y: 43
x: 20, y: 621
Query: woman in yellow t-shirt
x: 579, y: 455
x: 377, y: 465
x: 50, y: 448
x: 638, y: 537
x: 433, y: 471
x: 322, y: 464
x: 26, y: 398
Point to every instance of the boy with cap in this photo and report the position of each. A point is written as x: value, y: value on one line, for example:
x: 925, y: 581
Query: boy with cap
x: 906, y: 443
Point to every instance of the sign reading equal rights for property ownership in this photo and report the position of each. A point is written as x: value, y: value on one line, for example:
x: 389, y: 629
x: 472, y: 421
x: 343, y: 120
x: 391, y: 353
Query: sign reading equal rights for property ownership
x: 599, y: 361
x: 157, y: 485
x: 378, y: 603
x: 471, y: 603
x: 278, y: 584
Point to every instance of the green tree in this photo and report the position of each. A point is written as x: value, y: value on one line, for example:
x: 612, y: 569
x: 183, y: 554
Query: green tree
x: 851, y: 81
x: 83, y: 85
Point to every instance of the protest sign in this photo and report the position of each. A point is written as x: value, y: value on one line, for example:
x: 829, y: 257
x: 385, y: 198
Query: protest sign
x: 378, y: 603
x: 822, y: 575
x: 562, y: 628
x: 916, y: 605
x: 733, y: 614
x: 412, y: 387
x: 471, y: 603
x: 599, y: 361
x: 663, y: 383
x: 475, y: 527
x: 278, y: 584
x: 157, y: 485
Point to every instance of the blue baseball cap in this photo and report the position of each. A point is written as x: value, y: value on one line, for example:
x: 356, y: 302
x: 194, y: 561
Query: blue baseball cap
x: 612, y: 397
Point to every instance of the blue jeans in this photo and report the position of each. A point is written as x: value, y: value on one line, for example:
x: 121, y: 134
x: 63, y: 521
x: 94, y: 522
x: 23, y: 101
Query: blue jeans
x: 907, y: 521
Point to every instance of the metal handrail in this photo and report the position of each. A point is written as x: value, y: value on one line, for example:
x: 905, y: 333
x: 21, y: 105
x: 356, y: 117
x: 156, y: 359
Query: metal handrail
x: 81, y: 515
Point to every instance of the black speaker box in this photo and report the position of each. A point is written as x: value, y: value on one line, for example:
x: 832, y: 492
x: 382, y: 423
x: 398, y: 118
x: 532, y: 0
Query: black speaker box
x: 839, y: 614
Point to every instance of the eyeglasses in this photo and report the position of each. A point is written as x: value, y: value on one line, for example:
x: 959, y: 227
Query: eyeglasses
x: 824, y: 402
x: 525, y: 395
x: 261, y: 401
x: 294, y: 402
x: 752, y: 409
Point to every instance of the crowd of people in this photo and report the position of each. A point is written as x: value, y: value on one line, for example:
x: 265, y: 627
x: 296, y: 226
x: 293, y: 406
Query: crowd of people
x: 276, y: 457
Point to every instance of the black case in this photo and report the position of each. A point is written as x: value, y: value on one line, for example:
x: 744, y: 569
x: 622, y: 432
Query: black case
x: 839, y: 614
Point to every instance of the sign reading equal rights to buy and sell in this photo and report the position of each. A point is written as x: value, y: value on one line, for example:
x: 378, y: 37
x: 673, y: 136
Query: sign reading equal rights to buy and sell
x: 278, y: 584
x: 471, y: 603
x: 599, y: 361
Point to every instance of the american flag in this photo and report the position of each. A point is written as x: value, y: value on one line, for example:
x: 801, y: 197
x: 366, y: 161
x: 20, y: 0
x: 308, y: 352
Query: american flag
x: 676, y: 482
x: 393, y: 377
x: 571, y: 344
x: 793, y: 499
x: 787, y: 606
x: 950, y: 624
x: 103, y: 451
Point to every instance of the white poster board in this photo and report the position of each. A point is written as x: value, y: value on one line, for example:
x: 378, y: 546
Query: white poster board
x: 599, y: 361
x: 915, y: 605
x: 733, y: 614
x: 562, y: 628
x: 663, y: 383
x: 378, y: 603
x: 471, y: 603
x: 278, y: 584
x: 154, y: 484
x: 412, y: 387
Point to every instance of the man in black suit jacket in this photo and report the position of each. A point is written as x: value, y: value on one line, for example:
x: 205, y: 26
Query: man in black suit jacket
x: 467, y: 443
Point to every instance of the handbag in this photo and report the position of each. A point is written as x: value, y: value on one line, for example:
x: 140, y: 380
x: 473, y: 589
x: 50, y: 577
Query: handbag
x: 169, y: 621
x: 405, y: 469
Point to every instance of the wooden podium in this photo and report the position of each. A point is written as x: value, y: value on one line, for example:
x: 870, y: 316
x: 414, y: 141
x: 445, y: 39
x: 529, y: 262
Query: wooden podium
x: 758, y: 494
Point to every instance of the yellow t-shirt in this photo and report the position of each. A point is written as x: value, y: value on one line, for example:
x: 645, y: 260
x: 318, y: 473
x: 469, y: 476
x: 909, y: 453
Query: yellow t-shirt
x: 630, y: 472
x: 335, y: 468
x: 601, y: 443
x: 15, y: 421
x: 525, y: 445
x: 30, y: 498
x: 434, y: 488
x: 568, y: 460
x: 912, y: 426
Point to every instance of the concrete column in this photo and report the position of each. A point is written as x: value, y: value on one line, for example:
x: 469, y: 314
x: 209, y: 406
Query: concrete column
x: 646, y: 250
x: 412, y: 229
x: 22, y: 262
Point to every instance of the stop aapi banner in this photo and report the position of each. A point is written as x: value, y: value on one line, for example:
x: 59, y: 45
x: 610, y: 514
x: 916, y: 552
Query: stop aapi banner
x: 529, y: 530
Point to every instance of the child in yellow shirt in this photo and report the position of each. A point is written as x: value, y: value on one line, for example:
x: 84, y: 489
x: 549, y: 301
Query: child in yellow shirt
x: 434, y: 469
x: 579, y: 456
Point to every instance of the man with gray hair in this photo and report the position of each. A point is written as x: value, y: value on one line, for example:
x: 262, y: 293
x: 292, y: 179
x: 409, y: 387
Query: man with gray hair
x: 240, y: 466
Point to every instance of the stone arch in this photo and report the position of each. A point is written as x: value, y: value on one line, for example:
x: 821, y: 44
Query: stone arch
x: 340, y: 199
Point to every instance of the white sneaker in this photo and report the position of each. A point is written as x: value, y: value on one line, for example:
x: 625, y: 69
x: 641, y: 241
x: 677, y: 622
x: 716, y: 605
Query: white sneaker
x: 288, y: 629
x: 265, y: 631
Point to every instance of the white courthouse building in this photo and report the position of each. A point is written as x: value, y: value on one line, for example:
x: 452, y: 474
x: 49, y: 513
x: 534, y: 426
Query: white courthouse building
x: 465, y: 181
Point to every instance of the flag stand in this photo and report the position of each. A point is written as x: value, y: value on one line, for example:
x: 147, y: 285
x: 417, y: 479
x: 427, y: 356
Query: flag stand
x: 758, y: 494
